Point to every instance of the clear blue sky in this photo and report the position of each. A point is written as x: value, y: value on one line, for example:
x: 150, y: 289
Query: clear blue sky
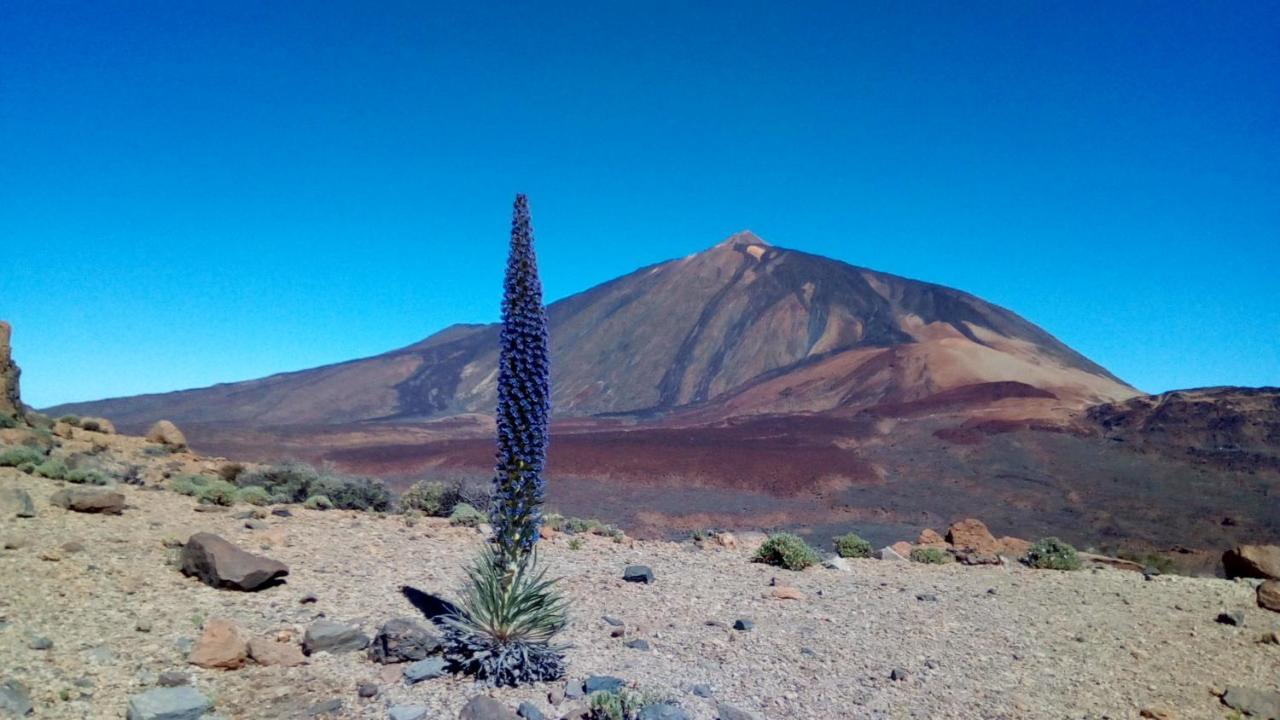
x: 202, y: 192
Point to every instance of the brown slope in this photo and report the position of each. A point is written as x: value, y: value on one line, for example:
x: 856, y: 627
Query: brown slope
x: 683, y: 334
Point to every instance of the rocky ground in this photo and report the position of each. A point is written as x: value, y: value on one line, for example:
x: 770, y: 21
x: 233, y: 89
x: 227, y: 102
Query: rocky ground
x: 95, y: 611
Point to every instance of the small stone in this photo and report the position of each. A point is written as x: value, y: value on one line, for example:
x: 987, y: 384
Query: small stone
x: 100, y: 655
x: 898, y: 675
x: 662, y: 711
x: 786, y: 592
x: 529, y: 711
x: 888, y: 553
x: 142, y: 625
x: 15, y: 700
x: 40, y: 642
x: 255, y: 525
x: 729, y: 712
x: 1156, y: 714
x: 432, y: 667
x: 743, y: 624
x: 177, y: 703
x: 927, y: 597
x: 703, y: 690
x: 72, y: 547
x: 222, y: 646
x: 555, y: 696
x: 602, y: 683
x: 333, y: 637
x: 1235, y: 618
x: 637, y: 644
x: 367, y: 690
x: 483, y: 707
x: 837, y: 563
x: 932, y: 664
x: 638, y: 574
x: 1258, y: 703
x: 308, y: 599
x: 328, y: 707
x: 403, y: 640
x: 51, y: 556
x: 407, y: 712
x: 281, y: 512
x: 173, y: 678
x: 613, y: 621
x: 269, y: 651
x: 992, y: 591
x: 574, y: 689
x: 20, y: 501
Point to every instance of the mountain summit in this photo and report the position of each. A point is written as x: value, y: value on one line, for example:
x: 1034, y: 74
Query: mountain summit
x: 742, y: 328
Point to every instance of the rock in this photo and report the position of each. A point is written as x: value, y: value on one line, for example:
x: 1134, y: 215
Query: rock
x: 529, y: 711
x: 1094, y: 560
x: 269, y: 651
x: 308, y: 599
x: 929, y: 538
x: 702, y: 690
x: 72, y: 547
x: 327, y: 707
x: 729, y: 712
x: 926, y: 597
x: 18, y: 502
x: 10, y: 396
x: 173, y: 678
x: 430, y: 668
x: 402, y: 640
x: 281, y: 512
x: 973, y: 536
x: 1269, y: 595
x: 89, y: 500
x: 40, y: 643
x: 483, y: 707
x: 367, y: 690
x: 407, y: 712
x: 177, y: 703
x: 15, y: 700
x: 1252, y: 561
x: 220, y: 564
x: 637, y: 644
x: 726, y: 540
x: 1012, y: 547
x: 167, y: 434
x: 977, y: 558
x: 836, y: 562
x: 573, y: 690
x: 222, y: 645
x: 743, y: 624
x: 98, y: 424
x: 333, y: 637
x: 255, y: 525
x: 100, y: 655
x: 615, y: 622
x: 888, y: 553
x: 601, y: 683
x: 638, y: 574
x: 786, y: 592
x: 142, y: 625
x: 662, y: 711
x: 1262, y: 704
x: 899, y: 674
x: 1235, y: 618
x: 1156, y: 714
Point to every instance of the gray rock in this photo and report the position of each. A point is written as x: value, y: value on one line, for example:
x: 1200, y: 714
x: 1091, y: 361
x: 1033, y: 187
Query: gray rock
x: 100, y: 655
x: 178, y: 703
x: 407, y: 712
x: 615, y: 622
x: 927, y: 597
x: 638, y: 644
x: 483, y: 707
x: 703, y: 690
x: 729, y: 712
x: 898, y: 675
x: 333, y: 637
x: 529, y: 711
x: 282, y: 512
x: 173, y: 678
x: 602, y: 683
x: 220, y: 564
x: 1263, y: 704
x: 40, y: 642
x: 835, y: 562
x: 573, y: 690
x: 663, y: 711
x: 888, y: 553
x: 15, y: 701
x: 367, y: 690
x: 403, y: 640
x: 638, y: 574
x: 1235, y: 618
x: 19, y: 502
x: 89, y: 500
x: 432, y: 667
x: 743, y: 624
x: 254, y: 524
x: 328, y: 707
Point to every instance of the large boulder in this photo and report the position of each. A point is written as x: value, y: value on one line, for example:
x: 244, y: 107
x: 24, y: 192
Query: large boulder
x: 970, y: 535
x: 220, y: 564
x: 930, y: 538
x: 175, y: 703
x: 89, y: 500
x: 403, y: 640
x: 1269, y: 595
x: 167, y: 434
x: 221, y: 646
x: 1252, y: 561
x: 10, y: 398
x: 97, y: 424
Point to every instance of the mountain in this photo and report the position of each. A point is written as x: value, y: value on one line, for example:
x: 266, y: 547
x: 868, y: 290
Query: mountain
x: 743, y: 328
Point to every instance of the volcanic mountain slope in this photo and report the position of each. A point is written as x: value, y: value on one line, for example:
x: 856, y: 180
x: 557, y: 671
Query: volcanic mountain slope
x: 742, y: 328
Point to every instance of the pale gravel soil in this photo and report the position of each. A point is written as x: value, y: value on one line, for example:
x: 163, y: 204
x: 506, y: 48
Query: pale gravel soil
x: 1090, y: 644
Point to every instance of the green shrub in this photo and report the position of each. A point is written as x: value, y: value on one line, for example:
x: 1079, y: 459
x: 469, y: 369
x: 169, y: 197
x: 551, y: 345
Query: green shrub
x: 39, y: 421
x: 427, y: 497
x: 188, y: 484
x: 85, y: 476
x: 157, y: 450
x: 27, y: 467
x: 852, y: 546
x: 930, y: 556
x: 623, y: 704
x: 318, y: 502
x: 553, y: 521
x: 296, y: 482
x: 787, y: 551
x: 8, y: 421
x: 253, y: 495
x: 466, y: 516
x: 52, y: 468
x: 217, y: 492
x: 575, y: 525
x: 230, y: 471
x: 72, y: 420
x: 576, y: 543
x: 1052, y: 554
x: 91, y: 426
x: 20, y: 454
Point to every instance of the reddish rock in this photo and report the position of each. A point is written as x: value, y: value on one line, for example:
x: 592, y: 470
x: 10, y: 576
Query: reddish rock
x: 972, y: 535
x: 220, y: 564
x: 786, y: 592
x: 166, y: 433
x: 902, y: 547
x: 89, y: 500
x: 270, y: 651
x: 1252, y: 561
x: 221, y: 646
x: 929, y: 538
x: 1013, y: 547
x: 1269, y: 595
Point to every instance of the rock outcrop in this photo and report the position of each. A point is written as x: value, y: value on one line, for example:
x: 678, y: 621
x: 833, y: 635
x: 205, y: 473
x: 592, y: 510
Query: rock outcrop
x: 89, y: 500
x: 972, y: 535
x: 220, y: 564
x: 10, y: 397
x: 167, y: 434
x: 1252, y: 561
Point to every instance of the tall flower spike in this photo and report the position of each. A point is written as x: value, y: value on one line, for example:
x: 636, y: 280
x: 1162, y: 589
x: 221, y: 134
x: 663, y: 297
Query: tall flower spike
x: 524, y: 399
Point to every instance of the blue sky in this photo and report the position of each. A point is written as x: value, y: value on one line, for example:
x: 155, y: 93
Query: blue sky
x: 203, y: 192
